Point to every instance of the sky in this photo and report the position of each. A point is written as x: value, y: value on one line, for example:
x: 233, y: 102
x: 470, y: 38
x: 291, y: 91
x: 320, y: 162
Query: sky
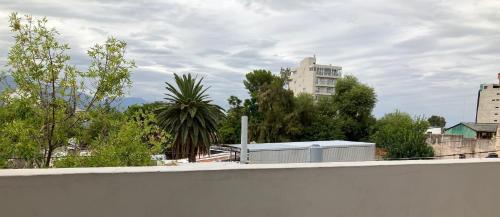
x: 423, y: 57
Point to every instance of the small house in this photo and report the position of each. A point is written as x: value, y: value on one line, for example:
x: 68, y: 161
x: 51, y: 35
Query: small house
x: 473, y: 130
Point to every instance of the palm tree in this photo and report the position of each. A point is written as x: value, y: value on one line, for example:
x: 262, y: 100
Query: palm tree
x: 190, y: 116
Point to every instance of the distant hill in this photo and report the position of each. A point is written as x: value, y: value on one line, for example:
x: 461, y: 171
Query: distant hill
x: 9, y: 81
x: 122, y: 104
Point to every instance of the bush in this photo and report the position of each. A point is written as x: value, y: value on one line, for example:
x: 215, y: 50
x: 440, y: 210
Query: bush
x: 123, y: 147
x: 402, y: 136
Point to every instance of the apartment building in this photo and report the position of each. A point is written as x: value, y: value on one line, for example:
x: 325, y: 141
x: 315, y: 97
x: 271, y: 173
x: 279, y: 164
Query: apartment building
x: 316, y: 79
x: 488, y: 103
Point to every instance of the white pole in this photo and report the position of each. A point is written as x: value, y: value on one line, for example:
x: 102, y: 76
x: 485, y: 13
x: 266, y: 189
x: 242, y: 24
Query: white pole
x: 244, y: 138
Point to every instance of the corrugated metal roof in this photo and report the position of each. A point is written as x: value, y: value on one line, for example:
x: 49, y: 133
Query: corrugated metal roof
x: 302, y: 145
x: 482, y: 127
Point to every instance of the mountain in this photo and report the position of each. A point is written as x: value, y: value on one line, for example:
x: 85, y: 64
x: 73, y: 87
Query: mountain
x: 125, y: 102
x: 121, y: 104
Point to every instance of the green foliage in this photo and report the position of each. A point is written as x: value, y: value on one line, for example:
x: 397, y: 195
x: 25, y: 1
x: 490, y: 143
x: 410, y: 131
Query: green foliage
x: 230, y: 128
x: 60, y: 98
x: 285, y: 74
x: 254, y: 82
x: 120, y: 139
x: 16, y: 135
x: 437, y: 121
x: 157, y: 139
x: 122, y: 147
x: 302, y: 117
x: 275, y: 115
x: 257, y: 79
x: 190, y: 117
x: 354, y: 103
x: 402, y: 136
x: 276, y: 106
x: 324, y: 123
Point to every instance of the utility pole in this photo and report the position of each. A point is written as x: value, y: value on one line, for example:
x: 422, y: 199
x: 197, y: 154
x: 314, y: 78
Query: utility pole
x: 244, y: 139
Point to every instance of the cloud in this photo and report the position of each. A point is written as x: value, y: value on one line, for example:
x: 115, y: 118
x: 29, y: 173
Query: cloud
x: 424, y: 57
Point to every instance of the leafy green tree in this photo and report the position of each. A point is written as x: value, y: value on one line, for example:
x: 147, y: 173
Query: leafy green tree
x: 113, y: 138
x: 276, y: 106
x: 254, y: 82
x: 123, y: 146
x: 353, y: 103
x: 285, y: 74
x: 324, y: 124
x: 153, y: 135
x: 437, y: 121
x: 58, y: 94
x: 17, y: 125
x: 402, y: 136
x: 190, y: 117
x: 234, y: 102
x: 257, y: 79
x: 230, y: 128
x: 302, y: 116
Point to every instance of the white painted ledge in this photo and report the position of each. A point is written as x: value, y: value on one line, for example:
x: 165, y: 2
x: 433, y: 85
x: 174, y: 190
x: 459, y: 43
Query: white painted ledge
x: 230, y: 166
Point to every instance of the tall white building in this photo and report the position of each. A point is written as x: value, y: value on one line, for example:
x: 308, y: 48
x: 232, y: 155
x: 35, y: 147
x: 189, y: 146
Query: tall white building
x: 313, y: 78
x: 488, y: 103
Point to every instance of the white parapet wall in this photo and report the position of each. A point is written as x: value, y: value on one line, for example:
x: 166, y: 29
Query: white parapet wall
x: 458, y: 188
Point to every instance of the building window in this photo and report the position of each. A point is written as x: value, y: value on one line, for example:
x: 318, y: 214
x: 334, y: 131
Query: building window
x: 494, y: 120
x: 496, y: 113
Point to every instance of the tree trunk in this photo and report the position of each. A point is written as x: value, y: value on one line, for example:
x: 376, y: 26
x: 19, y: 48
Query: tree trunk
x: 192, y: 156
x: 49, y: 157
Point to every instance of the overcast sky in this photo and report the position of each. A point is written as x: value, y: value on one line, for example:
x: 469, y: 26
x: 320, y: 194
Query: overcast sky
x: 422, y: 57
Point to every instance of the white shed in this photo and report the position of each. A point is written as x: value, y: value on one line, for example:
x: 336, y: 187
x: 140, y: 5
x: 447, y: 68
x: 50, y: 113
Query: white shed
x: 300, y: 152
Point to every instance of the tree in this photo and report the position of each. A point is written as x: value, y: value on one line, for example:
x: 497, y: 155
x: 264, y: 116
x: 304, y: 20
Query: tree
x: 254, y: 82
x: 122, y: 146
x: 285, y: 74
x: 59, y: 95
x: 16, y: 141
x: 353, y: 103
x: 157, y: 140
x: 276, y: 106
x: 230, y: 128
x: 437, y: 121
x: 325, y: 123
x: 402, y: 136
x: 234, y: 102
x: 190, y: 117
x: 114, y: 138
x: 257, y: 79
x: 302, y: 117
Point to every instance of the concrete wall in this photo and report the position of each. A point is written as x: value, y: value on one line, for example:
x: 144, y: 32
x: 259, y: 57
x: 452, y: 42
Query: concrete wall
x: 373, y: 189
x: 450, y: 146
